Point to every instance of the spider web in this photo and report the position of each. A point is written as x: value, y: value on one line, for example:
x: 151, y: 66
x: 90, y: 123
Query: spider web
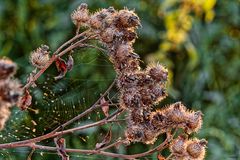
x: 55, y: 102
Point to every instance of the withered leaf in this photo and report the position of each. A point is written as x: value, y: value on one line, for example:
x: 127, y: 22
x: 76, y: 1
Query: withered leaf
x: 105, y: 106
x: 25, y: 101
x: 70, y: 63
x: 61, y: 67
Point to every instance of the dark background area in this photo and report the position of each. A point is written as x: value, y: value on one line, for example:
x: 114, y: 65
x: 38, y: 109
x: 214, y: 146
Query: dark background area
x: 198, y: 41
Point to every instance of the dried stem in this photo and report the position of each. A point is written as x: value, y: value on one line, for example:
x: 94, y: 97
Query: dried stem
x: 100, y: 152
x: 57, y: 54
x: 24, y: 143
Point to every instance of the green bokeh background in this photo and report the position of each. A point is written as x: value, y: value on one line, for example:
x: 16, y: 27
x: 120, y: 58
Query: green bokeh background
x: 198, y: 41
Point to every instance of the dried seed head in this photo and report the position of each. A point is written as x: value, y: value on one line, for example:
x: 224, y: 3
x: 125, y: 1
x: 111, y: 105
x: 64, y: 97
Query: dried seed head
x: 178, y: 146
x: 176, y: 112
x: 158, y: 93
x: 146, y: 99
x: 108, y: 16
x: 128, y: 35
x: 130, y: 98
x: 40, y: 56
x: 127, y: 19
x: 123, y: 51
x: 196, y: 148
x: 135, y: 134
x: 158, y: 72
x: 107, y: 35
x: 194, y: 121
x: 80, y: 15
x: 10, y: 91
x: 7, y: 68
x: 135, y: 116
x: 150, y: 136
x: 95, y: 21
x: 135, y: 79
x: 158, y: 119
x: 132, y: 65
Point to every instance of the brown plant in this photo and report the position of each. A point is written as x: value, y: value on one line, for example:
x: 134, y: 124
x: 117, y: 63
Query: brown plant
x: 140, y: 90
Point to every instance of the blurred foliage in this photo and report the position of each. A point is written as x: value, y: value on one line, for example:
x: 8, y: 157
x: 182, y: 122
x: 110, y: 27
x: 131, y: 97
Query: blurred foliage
x: 199, y: 41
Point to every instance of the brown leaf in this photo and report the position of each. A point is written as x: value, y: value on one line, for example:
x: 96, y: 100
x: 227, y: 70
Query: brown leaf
x: 106, y: 140
x: 25, y: 101
x: 61, y: 67
x: 70, y: 63
x: 105, y: 106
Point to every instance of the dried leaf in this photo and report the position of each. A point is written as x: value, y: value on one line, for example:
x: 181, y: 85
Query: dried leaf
x: 61, y: 67
x: 25, y: 101
x: 70, y: 63
x: 106, y: 140
x: 105, y: 106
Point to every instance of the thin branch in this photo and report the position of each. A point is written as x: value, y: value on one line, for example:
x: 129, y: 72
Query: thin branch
x: 99, y: 152
x: 112, y: 145
x: 70, y: 41
x: 24, y: 143
x: 55, y: 56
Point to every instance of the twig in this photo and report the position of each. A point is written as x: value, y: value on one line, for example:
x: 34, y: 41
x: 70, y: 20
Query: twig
x: 55, y: 134
x: 112, y: 145
x: 99, y: 152
x: 55, y: 56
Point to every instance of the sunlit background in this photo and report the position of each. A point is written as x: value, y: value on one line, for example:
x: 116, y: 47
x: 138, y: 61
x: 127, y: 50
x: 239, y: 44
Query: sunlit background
x: 197, y: 40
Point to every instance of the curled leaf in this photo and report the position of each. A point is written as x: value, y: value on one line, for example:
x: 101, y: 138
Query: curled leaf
x: 70, y: 63
x: 106, y: 140
x: 105, y: 106
x: 25, y: 101
x: 61, y: 67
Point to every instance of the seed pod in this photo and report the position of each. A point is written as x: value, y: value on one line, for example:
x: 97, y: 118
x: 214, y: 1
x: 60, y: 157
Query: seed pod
x: 158, y: 120
x: 130, y: 99
x: 108, y: 16
x: 158, y: 93
x: 176, y: 112
x: 80, y: 15
x: 123, y: 51
x: 40, y: 56
x: 95, y: 21
x: 135, y: 133
x: 127, y: 35
x: 196, y: 148
x: 194, y: 121
x: 127, y: 19
x: 107, y: 35
x: 178, y: 146
x: 7, y: 68
x: 158, y: 72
